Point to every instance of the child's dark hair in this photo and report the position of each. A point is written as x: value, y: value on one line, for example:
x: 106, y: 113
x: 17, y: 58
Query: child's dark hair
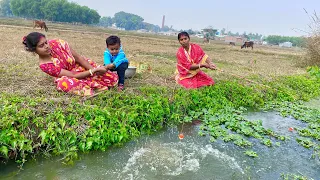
x: 112, y: 40
x: 31, y: 40
x: 183, y: 34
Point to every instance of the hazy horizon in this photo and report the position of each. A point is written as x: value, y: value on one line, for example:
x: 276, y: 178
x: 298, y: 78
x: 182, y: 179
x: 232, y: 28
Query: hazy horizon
x: 286, y: 18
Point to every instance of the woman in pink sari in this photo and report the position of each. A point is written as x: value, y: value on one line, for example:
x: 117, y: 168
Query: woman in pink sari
x: 73, y: 73
x: 190, y: 60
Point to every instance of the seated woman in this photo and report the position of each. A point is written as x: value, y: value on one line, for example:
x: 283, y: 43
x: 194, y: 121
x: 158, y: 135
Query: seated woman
x: 190, y: 60
x: 73, y: 73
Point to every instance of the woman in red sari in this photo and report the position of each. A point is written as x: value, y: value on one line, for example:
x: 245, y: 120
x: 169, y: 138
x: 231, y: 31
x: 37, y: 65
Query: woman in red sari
x: 73, y: 73
x: 190, y: 60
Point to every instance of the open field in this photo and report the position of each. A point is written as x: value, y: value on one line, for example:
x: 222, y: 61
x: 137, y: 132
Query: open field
x: 20, y: 73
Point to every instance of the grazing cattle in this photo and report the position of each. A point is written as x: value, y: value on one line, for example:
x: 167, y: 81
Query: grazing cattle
x: 232, y: 43
x: 41, y: 24
x: 247, y: 44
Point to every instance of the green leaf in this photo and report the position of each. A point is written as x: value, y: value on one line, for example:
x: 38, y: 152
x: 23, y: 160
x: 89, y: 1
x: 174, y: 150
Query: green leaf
x: 4, y: 150
x: 89, y: 145
x: 14, y: 144
x: 43, y: 136
x: 62, y: 123
x: 82, y: 146
x: 120, y: 137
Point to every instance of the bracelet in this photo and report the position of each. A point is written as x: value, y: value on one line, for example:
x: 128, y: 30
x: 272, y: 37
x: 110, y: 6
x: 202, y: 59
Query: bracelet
x: 90, y: 71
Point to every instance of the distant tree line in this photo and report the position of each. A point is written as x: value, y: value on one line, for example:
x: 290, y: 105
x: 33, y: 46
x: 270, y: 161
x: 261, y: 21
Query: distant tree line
x: 64, y: 11
x: 296, y: 41
x: 250, y: 36
x: 130, y: 21
x: 53, y: 10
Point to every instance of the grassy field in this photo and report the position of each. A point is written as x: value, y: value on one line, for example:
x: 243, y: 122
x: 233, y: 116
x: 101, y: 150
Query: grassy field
x: 20, y: 73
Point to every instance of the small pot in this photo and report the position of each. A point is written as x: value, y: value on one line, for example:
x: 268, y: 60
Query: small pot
x: 130, y: 72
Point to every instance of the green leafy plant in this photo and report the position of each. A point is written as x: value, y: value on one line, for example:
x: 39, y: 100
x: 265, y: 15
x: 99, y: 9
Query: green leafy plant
x: 251, y: 153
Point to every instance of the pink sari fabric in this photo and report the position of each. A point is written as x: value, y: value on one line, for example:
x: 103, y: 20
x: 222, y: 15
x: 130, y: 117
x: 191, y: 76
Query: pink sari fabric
x: 63, y: 59
x: 192, y: 79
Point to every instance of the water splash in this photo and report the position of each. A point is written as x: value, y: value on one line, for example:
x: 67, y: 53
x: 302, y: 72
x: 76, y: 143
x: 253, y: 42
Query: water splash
x: 171, y: 159
x: 133, y: 160
x: 224, y: 157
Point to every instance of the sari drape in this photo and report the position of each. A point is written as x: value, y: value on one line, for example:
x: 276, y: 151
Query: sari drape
x: 62, y: 58
x: 192, y: 78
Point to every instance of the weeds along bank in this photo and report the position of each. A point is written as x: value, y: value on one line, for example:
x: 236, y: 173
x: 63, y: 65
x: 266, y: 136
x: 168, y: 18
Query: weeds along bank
x: 32, y: 126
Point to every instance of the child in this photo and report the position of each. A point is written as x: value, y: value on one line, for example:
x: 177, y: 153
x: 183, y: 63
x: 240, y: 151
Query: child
x: 115, y: 59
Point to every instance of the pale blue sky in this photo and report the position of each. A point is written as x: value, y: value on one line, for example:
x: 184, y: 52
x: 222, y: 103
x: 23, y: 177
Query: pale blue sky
x: 263, y: 17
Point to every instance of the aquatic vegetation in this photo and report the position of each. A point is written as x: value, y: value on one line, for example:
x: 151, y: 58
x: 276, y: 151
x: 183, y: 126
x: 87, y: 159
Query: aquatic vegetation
x: 310, y: 135
x: 251, y: 153
x: 36, y: 125
x: 294, y: 177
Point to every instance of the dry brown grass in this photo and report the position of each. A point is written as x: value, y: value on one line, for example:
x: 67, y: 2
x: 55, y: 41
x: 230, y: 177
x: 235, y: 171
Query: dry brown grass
x: 313, y: 41
x: 20, y: 73
x: 313, y: 48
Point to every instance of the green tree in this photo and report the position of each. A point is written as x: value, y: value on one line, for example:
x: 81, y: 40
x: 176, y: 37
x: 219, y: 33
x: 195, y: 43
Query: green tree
x: 296, y: 41
x: 20, y: 8
x: 105, y: 21
x: 151, y: 27
x: 54, y: 10
x: 34, y: 10
x: 5, y: 9
x: 128, y: 21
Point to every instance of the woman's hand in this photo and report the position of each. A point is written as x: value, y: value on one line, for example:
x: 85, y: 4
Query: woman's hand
x: 109, y: 66
x: 99, y: 70
x: 205, y: 65
x: 209, y: 66
x: 212, y: 66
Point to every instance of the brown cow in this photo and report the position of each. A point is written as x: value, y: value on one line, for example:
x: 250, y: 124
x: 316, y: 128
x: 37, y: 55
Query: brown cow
x: 247, y: 44
x: 41, y: 24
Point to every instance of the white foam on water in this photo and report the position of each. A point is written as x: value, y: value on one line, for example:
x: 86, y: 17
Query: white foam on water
x: 171, y: 159
x: 133, y: 159
x: 224, y: 157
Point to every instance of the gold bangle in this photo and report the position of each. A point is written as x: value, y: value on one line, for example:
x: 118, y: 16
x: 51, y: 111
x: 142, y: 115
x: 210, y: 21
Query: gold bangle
x: 90, y: 71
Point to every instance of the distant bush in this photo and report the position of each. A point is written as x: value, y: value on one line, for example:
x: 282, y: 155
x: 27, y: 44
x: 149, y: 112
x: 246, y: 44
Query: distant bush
x: 313, y: 45
x: 313, y: 49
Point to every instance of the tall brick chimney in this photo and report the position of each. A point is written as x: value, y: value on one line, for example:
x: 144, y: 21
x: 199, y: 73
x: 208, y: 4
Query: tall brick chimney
x: 163, y: 19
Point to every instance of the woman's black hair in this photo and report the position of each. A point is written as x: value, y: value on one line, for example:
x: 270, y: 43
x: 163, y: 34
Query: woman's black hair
x: 31, y: 40
x: 113, y: 40
x: 183, y: 34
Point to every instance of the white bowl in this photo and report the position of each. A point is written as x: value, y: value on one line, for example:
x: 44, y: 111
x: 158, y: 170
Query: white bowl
x: 130, y: 72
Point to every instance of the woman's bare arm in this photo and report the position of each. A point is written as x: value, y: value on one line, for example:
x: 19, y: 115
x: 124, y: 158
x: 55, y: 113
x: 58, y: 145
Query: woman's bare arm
x: 79, y: 59
x: 196, y: 66
x: 81, y: 75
